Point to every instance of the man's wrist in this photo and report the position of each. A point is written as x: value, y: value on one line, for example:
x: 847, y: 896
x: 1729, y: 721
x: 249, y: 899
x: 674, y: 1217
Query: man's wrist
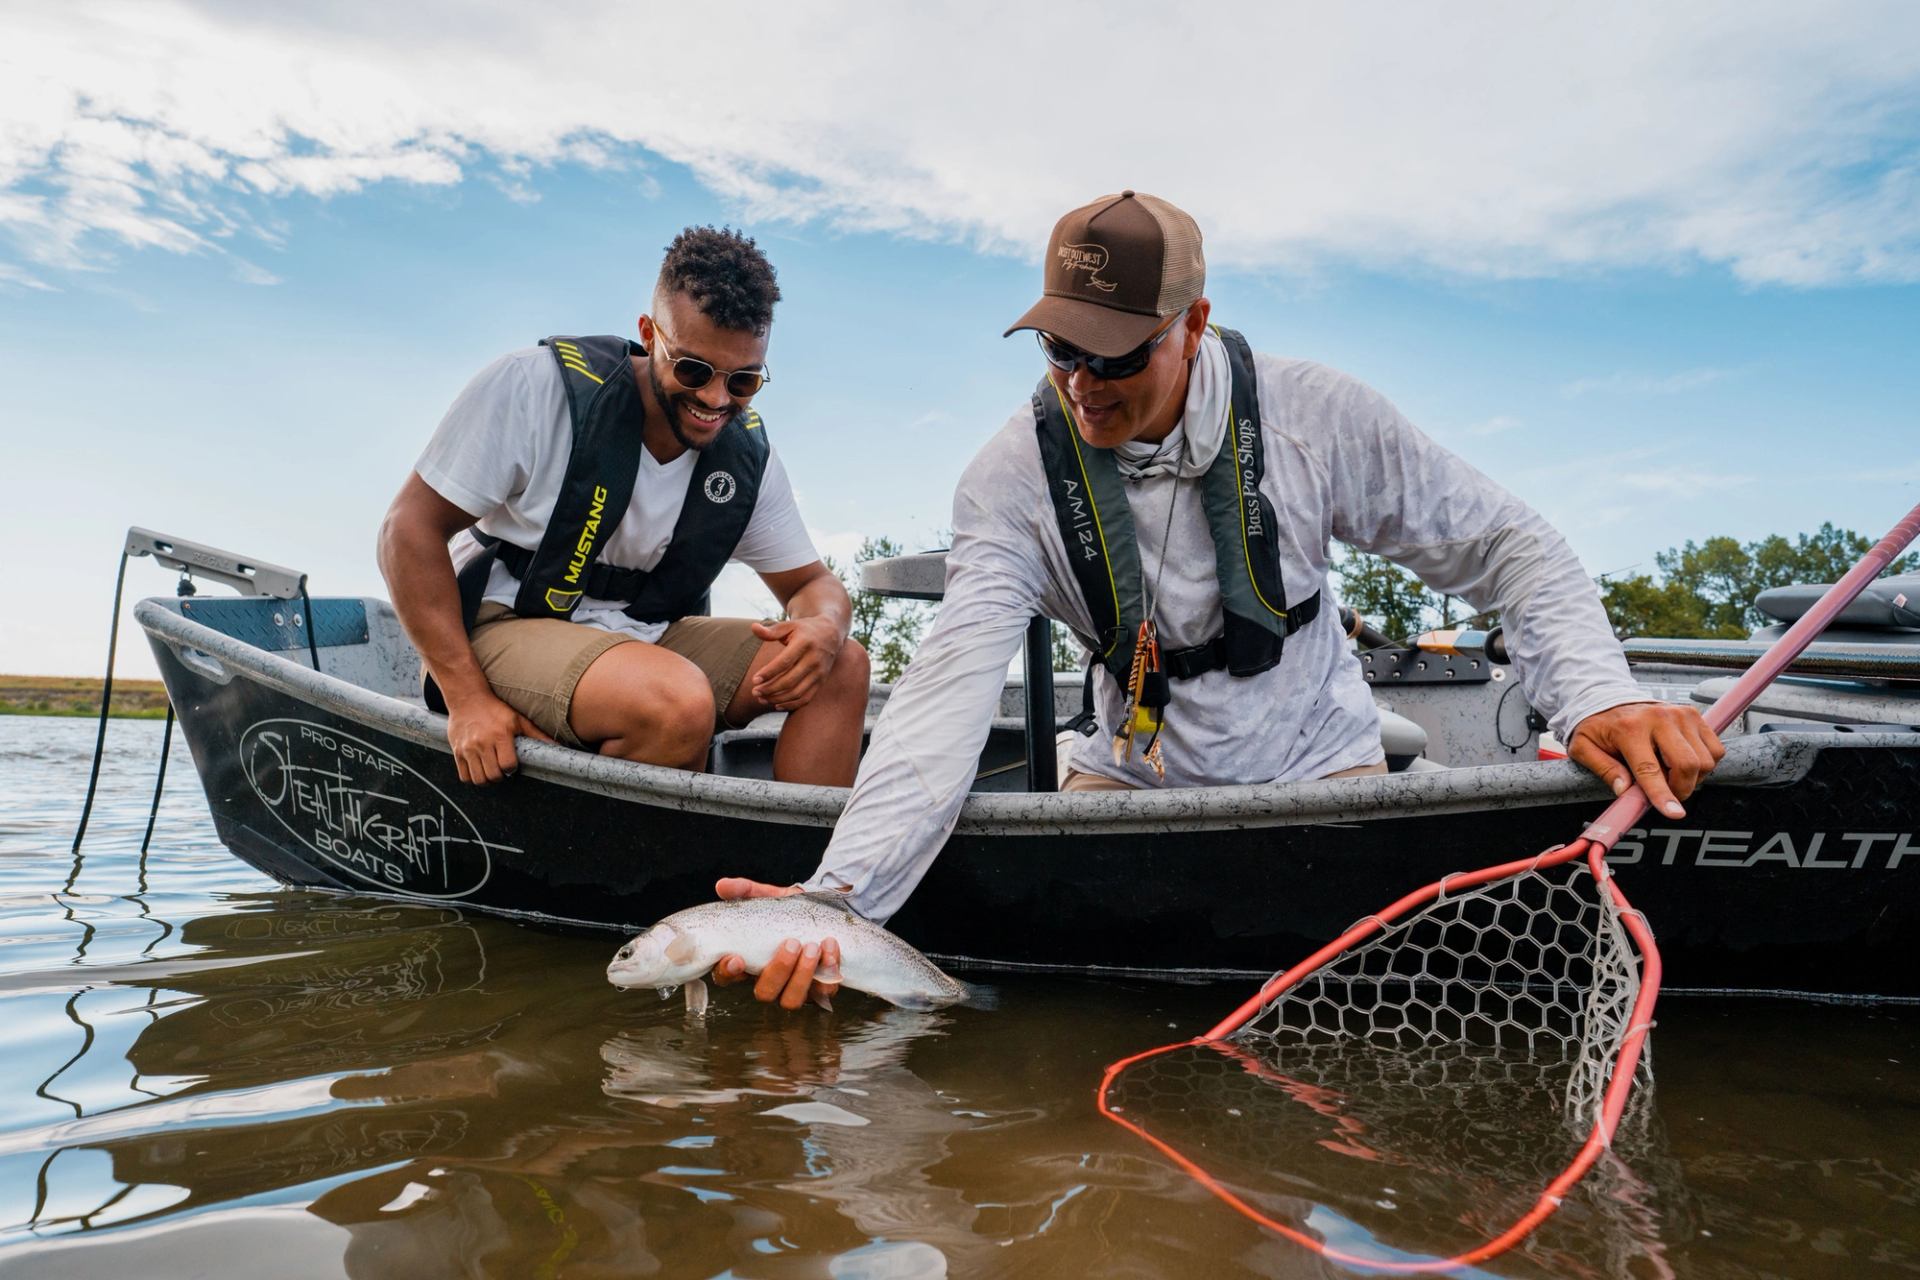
x: 463, y: 689
x: 828, y: 626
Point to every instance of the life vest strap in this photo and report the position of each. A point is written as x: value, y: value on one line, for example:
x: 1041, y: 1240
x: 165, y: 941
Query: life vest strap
x: 601, y: 581
x: 1185, y: 664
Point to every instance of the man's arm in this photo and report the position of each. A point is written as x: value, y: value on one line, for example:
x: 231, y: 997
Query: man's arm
x: 819, y: 615
x: 1398, y: 494
x: 420, y: 580
x: 926, y: 744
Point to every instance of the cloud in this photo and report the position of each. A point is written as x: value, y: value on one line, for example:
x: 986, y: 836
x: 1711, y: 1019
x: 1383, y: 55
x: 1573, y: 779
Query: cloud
x: 1766, y: 139
x: 249, y: 273
x: 14, y: 277
x: 1641, y: 384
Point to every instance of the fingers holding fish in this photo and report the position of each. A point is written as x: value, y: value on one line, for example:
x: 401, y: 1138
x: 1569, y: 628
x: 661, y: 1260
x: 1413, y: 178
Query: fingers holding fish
x: 796, y: 946
x: 734, y: 888
x: 788, y: 978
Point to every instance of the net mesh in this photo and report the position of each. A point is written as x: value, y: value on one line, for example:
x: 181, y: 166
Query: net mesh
x: 1538, y: 961
x: 1463, y: 1048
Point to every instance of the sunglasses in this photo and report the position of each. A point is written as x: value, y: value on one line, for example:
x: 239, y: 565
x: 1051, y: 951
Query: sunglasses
x: 1065, y: 357
x: 694, y: 374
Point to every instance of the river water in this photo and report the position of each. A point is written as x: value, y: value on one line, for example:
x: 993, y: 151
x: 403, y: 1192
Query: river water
x: 206, y: 1074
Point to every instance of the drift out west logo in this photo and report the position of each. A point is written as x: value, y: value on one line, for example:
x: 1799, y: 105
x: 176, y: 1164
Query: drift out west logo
x: 1090, y: 258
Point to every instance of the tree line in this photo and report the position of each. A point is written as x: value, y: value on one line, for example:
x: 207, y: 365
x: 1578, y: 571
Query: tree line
x: 1700, y: 591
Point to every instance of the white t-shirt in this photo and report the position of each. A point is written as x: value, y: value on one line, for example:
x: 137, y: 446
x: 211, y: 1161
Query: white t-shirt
x: 501, y: 452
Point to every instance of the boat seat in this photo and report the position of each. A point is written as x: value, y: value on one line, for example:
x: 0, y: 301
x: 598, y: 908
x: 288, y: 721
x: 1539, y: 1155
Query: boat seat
x: 1403, y: 740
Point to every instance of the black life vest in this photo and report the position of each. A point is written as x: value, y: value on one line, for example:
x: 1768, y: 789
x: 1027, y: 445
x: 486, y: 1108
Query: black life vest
x: 1096, y: 522
x: 608, y: 414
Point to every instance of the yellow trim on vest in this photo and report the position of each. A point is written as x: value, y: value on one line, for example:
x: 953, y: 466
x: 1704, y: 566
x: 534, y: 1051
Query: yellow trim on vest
x: 570, y: 356
x: 1106, y: 556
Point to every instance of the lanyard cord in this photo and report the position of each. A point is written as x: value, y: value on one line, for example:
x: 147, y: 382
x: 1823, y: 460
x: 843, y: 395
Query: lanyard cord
x: 1151, y: 598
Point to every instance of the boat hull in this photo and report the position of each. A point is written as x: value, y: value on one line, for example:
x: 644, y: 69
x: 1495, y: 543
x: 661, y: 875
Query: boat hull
x: 1812, y: 887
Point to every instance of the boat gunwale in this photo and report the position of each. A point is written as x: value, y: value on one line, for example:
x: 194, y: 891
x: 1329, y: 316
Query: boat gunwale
x: 1766, y: 760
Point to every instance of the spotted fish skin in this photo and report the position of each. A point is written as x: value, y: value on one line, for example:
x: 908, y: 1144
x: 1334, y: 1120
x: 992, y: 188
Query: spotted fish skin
x: 687, y: 944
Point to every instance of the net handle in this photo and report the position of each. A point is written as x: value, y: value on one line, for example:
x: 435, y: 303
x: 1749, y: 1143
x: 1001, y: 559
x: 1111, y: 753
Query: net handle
x: 1731, y: 705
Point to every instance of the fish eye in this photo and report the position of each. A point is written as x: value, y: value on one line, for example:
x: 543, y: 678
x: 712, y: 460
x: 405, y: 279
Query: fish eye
x: 626, y: 952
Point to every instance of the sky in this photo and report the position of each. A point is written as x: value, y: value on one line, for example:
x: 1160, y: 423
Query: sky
x: 1656, y: 268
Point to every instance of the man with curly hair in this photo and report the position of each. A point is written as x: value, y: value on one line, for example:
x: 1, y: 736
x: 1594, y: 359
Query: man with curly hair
x: 552, y: 552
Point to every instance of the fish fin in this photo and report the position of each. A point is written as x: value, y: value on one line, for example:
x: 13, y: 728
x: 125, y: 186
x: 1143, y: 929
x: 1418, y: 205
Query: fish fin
x: 828, y: 973
x: 666, y: 993
x: 824, y: 1000
x: 979, y: 997
x: 682, y: 949
x: 696, y: 998
x: 914, y: 1001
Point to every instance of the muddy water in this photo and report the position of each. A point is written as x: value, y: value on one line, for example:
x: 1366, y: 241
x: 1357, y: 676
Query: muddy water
x: 205, y: 1074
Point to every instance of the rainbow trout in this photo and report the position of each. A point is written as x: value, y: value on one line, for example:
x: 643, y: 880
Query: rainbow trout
x: 682, y: 948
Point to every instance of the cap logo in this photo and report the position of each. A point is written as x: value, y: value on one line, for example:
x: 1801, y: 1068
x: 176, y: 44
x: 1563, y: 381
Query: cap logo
x: 1090, y: 258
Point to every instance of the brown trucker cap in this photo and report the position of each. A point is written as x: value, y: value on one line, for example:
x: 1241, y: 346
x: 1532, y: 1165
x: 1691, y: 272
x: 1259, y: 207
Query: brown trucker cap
x: 1115, y: 269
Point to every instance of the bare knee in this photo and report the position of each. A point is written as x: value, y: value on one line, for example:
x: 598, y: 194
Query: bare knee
x: 667, y: 721
x: 852, y: 670
x: 682, y: 717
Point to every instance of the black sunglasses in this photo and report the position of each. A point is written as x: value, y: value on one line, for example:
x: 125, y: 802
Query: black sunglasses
x: 1064, y: 356
x: 694, y: 374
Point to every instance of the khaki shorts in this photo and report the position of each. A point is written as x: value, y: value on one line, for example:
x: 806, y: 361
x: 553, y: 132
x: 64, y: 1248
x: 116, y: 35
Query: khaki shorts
x: 1078, y: 781
x: 534, y: 664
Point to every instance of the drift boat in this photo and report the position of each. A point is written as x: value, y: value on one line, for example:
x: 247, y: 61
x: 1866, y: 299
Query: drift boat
x: 1797, y: 870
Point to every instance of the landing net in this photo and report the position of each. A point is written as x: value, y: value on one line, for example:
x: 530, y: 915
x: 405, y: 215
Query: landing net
x: 1478, y: 1039
x: 1542, y: 958
x: 1538, y: 962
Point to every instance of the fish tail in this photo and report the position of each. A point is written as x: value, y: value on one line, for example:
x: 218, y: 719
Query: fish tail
x: 977, y: 996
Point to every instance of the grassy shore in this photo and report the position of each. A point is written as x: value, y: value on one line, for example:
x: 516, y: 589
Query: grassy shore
x: 80, y: 696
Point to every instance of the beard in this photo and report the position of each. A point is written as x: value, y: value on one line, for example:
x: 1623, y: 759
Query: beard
x: 675, y: 405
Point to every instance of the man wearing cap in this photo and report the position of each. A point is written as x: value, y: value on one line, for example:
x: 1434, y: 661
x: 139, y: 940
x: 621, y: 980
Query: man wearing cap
x: 1164, y: 473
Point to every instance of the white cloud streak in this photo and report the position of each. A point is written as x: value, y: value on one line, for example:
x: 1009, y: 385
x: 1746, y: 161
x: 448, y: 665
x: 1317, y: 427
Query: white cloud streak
x: 1772, y: 140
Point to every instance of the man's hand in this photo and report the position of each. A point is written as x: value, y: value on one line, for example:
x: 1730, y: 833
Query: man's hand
x: 481, y: 729
x: 794, y: 975
x: 1667, y: 749
x: 791, y: 679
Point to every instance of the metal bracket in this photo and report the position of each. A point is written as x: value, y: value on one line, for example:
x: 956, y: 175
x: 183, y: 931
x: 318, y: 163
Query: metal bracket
x: 1415, y: 666
x: 247, y: 576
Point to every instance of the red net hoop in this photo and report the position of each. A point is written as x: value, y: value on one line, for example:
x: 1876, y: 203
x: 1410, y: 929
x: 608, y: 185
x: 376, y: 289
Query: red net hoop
x: 1531, y: 977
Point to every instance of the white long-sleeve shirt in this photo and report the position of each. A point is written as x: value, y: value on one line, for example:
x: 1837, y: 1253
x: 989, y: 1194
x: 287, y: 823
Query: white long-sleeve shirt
x: 1341, y: 463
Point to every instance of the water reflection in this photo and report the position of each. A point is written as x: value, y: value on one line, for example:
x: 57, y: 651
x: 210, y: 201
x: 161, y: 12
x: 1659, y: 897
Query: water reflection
x: 449, y: 1100
x: 204, y: 1067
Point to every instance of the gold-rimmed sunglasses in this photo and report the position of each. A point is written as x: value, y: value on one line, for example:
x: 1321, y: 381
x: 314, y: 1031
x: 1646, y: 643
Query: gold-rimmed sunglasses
x: 694, y: 373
